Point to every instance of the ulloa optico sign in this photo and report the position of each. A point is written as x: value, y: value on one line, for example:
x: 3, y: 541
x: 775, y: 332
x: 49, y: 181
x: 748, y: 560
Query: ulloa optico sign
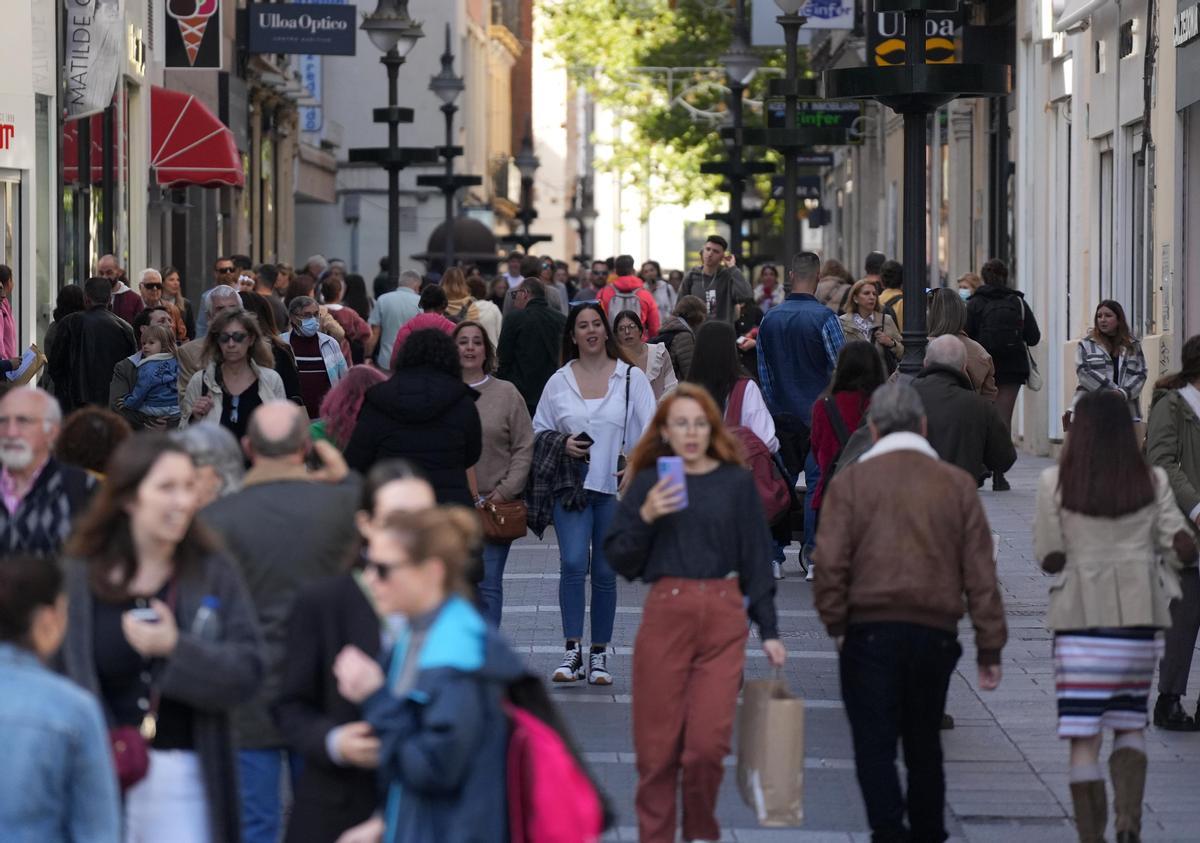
x: 310, y: 28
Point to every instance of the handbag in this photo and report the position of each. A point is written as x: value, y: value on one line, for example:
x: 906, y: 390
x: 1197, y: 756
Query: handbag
x: 1035, y: 381
x: 502, y: 522
x: 131, y: 744
x: 621, y: 461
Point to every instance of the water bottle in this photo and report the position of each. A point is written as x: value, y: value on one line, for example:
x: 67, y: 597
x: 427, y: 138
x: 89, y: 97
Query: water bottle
x: 207, y: 623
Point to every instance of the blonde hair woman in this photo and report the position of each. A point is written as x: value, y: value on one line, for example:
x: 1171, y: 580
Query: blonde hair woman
x: 863, y: 319
x: 463, y: 307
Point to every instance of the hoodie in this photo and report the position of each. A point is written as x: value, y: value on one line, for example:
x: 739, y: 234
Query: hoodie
x: 425, y: 416
x: 624, y: 289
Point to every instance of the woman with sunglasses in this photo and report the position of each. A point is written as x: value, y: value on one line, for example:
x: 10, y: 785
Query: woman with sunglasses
x: 237, y: 376
x: 338, y: 790
x: 652, y: 358
x: 592, y: 408
x: 436, y: 703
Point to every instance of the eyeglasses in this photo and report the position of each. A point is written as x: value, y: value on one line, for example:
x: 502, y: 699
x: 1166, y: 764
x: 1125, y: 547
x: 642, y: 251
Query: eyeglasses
x: 628, y: 327
x: 236, y: 336
x: 226, y: 270
x: 152, y: 286
x: 382, y: 570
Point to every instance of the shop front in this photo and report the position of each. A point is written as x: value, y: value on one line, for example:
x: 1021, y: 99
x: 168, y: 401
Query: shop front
x: 1186, y: 34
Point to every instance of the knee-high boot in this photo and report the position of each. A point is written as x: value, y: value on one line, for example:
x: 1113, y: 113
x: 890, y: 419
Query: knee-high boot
x: 1127, y: 767
x: 1091, y: 810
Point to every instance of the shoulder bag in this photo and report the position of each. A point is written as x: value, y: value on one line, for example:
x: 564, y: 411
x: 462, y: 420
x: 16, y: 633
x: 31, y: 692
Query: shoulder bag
x: 625, y: 423
x: 502, y: 522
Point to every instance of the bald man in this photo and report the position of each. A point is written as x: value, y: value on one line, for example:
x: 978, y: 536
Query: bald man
x: 286, y: 528
x: 964, y: 427
x: 125, y: 303
x: 41, y: 496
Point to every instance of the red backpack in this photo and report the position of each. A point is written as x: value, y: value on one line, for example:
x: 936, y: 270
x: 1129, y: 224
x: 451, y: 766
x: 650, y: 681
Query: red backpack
x: 550, y: 798
x: 771, y: 485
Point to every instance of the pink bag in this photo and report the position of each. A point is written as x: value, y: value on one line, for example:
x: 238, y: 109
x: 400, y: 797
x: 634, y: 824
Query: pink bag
x: 550, y: 798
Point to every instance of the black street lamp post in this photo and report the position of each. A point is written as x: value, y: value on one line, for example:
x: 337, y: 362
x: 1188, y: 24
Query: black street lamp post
x: 791, y: 20
x: 395, y: 33
x: 527, y: 164
x: 447, y: 86
x: 914, y: 90
x: 584, y: 215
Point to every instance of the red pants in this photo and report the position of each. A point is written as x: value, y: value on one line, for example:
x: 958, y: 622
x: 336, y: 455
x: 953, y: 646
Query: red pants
x: 687, y: 669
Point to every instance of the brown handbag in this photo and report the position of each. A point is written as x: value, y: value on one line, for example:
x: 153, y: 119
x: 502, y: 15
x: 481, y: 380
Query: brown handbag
x: 502, y: 522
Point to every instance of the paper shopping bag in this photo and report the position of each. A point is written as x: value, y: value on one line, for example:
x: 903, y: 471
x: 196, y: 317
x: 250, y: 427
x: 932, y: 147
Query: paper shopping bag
x: 770, y: 767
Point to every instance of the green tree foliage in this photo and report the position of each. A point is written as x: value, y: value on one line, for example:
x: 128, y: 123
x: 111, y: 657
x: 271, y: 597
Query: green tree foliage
x: 619, y: 51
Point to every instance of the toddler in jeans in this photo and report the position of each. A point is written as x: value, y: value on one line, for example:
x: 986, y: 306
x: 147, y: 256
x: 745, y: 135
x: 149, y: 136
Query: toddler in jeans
x: 155, y: 395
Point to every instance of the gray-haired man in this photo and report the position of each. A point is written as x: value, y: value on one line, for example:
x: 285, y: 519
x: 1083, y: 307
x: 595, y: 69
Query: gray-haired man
x: 903, y: 537
x: 391, y: 311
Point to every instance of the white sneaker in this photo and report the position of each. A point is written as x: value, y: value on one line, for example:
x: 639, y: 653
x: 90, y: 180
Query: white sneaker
x: 571, y: 669
x: 777, y: 570
x: 598, y: 669
x: 809, y: 576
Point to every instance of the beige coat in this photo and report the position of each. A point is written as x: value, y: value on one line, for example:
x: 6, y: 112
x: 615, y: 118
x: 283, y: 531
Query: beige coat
x: 1113, y: 576
x: 980, y: 368
x: 880, y: 320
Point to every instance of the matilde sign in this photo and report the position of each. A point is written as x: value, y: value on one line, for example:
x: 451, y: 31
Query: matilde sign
x: 310, y: 28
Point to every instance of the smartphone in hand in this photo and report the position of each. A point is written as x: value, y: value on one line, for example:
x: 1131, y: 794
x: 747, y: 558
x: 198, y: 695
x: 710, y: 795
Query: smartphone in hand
x: 144, y: 615
x: 584, y: 438
x: 672, y: 469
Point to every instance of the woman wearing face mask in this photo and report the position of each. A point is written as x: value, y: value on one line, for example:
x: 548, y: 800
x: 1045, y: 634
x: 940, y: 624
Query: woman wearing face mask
x: 318, y: 356
x: 163, y: 633
x: 591, y: 411
x: 56, y: 740
x: 702, y: 548
x: 338, y: 790
x: 436, y: 703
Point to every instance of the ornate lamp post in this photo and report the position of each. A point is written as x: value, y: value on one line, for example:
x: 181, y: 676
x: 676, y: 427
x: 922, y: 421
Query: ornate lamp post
x: 395, y: 33
x: 447, y: 87
x: 527, y: 165
x: 791, y: 20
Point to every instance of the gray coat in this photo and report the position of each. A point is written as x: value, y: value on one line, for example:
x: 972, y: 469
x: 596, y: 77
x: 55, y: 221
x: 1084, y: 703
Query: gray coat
x: 283, y: 533
x: 211, y: 677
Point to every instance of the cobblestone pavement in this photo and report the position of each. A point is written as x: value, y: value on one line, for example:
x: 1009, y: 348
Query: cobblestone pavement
x: 1006, y: 770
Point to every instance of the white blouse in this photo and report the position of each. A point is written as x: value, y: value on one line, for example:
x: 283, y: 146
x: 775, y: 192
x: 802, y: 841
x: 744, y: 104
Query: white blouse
x: 564, y: 409
x: 660, y: 371
x: 757, y: 418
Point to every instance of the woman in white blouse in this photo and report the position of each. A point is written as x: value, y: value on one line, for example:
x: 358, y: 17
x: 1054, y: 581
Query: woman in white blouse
x: 596, y: 393
x: 653, y: 358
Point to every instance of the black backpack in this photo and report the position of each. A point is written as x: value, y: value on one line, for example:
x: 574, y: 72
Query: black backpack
x: 1002, y: 328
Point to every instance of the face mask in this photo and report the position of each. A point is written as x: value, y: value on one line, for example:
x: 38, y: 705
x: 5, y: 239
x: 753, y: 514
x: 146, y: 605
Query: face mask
x: 964, y: 293
x: 308, y: 327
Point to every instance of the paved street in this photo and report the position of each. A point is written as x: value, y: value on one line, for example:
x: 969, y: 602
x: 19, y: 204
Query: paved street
x: 1006, y: 770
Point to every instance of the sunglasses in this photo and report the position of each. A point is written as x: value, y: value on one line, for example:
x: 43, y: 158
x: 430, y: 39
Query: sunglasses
x: 236, y: 336
x: 152, y: 286
x: 382, y: 570
x: 226, y: 270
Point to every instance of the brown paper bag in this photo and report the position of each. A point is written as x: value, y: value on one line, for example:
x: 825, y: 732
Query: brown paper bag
x: 770, y: 767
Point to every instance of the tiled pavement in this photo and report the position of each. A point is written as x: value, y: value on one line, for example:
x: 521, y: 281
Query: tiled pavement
x: 1006, y: 770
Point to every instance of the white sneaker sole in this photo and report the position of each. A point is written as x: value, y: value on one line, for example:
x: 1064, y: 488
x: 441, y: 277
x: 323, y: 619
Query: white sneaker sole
x: 563, y: 676
x: 600, y: 679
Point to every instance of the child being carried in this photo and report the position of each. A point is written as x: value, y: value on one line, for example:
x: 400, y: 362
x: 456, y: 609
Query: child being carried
x: 155, y: 395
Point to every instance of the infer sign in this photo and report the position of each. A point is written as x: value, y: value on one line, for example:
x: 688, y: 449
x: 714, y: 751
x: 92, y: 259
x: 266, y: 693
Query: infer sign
x: 887, y: 39
x: 310, y: 28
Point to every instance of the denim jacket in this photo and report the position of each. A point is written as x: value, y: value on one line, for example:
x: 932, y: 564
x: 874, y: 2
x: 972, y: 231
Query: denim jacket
x: 798, y: 346
x: 57, y: 784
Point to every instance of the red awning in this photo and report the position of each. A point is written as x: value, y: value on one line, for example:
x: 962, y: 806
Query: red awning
x: 189, y: 144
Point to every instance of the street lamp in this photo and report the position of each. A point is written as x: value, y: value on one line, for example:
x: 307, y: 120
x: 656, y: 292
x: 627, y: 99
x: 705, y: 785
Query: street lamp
x: 527, y: 164
x: 791, y: 20
x: 446, y: 86
x: 740, y: 66
x: 584, y: 214
x: 394, y: 33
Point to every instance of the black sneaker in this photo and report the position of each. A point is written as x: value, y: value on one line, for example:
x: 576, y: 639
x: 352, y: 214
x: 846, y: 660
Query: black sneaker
x: 598, y: 669
x: 1169, y: 715
x: 571, y: 669
x: 1000, y: 483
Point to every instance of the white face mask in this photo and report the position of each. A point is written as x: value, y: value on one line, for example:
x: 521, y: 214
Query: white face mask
x: 964, y: 293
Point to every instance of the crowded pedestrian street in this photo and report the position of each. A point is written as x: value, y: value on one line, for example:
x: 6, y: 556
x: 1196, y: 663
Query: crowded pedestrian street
x: 1005, y: 772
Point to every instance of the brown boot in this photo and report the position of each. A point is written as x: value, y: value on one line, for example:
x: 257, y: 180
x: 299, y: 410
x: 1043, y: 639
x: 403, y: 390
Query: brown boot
x: 1128, y: 770
x: 1091, y: 810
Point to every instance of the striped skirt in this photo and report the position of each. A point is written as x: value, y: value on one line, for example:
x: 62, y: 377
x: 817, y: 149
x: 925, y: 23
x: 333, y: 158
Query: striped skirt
x: 1102, y: 678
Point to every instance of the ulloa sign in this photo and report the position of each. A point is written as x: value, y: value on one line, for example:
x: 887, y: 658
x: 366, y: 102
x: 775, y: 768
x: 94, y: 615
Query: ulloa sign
x: 310, y: 28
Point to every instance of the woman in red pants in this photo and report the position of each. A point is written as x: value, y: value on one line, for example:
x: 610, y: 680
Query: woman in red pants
x: 701, y: 545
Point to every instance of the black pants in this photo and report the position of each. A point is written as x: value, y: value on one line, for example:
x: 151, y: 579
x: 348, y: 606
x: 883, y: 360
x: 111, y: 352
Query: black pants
x: 1181, y: 637
x: 894, y: 682
x: 794, y: 442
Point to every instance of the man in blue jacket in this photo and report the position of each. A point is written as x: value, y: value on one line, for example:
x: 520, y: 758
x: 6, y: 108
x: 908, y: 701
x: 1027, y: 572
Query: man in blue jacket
x: 798, y: 345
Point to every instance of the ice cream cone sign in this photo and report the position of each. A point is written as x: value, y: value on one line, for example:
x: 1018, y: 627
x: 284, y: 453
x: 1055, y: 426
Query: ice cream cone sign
x: 192, y: 17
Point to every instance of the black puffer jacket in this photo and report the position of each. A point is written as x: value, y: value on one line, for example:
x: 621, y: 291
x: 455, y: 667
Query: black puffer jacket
x: 427, y: 417
x: 989, y: 304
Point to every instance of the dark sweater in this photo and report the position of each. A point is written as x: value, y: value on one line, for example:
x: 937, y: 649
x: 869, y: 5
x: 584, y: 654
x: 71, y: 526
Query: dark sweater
x: 722, y: 531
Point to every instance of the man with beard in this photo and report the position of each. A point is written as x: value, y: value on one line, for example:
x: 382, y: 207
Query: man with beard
x: 40, y: 495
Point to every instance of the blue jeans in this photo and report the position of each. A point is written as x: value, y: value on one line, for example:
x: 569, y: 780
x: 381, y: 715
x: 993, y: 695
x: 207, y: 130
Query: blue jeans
x: 812, y: 477
x: 581, y: 548
x: 491, y: 590
x: 259, y: 777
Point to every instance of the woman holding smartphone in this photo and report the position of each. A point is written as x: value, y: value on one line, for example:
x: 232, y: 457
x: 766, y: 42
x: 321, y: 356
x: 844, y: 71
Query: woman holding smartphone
x: 600, y: 404
x: 161, y: 630
x: 700, y: 543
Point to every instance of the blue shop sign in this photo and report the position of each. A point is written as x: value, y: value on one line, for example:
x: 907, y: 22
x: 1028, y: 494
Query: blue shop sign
x: 325, y: 29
